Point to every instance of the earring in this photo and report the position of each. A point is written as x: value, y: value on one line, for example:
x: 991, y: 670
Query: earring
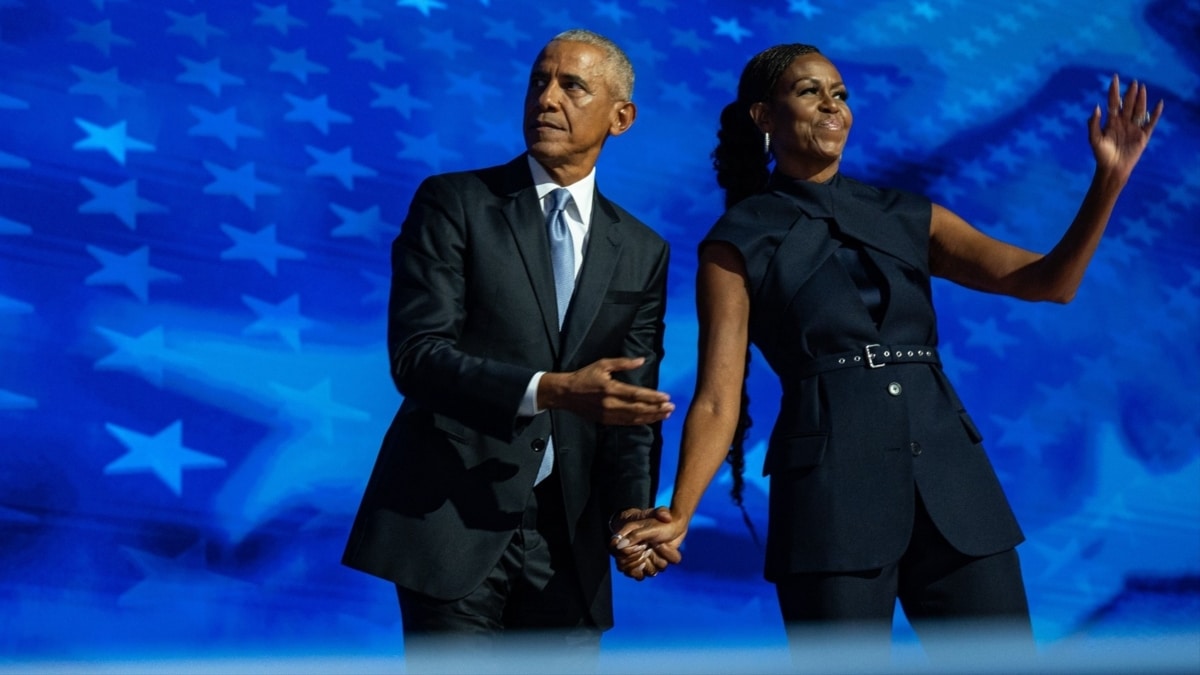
x: 766, y: 143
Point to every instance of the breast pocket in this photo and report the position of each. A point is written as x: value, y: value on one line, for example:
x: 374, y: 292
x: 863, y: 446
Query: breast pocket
x: 623, y: 297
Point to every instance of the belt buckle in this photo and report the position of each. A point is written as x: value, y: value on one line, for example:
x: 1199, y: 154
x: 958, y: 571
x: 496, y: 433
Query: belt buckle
x: 871, y: 356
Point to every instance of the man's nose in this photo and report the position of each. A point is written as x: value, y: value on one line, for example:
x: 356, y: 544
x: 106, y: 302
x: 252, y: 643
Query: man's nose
x: 548, y: 97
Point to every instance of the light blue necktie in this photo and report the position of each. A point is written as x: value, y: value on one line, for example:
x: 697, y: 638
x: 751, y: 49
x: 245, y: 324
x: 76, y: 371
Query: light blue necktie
x: 562, y: 259
x: 562, y: 250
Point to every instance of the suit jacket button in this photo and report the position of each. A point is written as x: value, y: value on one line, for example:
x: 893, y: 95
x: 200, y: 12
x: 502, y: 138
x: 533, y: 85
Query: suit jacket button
x: 894, y: 388
x: 915, y: 447
x: 538, y: 444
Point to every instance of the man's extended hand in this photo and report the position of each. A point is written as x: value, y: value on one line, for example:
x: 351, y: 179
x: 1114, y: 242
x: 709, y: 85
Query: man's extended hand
x: 592, y: 393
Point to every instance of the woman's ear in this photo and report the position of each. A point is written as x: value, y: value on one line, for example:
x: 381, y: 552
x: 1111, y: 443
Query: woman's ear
x: 760, y: 114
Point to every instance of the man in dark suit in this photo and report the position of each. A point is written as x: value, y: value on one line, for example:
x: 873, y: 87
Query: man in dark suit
x: 460, y: 512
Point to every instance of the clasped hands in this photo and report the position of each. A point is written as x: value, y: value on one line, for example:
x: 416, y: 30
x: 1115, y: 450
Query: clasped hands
x: 645, y: 541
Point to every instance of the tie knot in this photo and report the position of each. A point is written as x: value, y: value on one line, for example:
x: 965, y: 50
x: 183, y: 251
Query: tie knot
x: 559, y: 199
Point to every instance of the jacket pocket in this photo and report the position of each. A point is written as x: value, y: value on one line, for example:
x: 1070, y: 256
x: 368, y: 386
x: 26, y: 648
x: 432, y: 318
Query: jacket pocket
x: 623, y: 297
x: 792, y: 453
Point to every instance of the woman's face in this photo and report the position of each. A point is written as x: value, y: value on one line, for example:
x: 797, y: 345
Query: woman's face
x: 808, y: 117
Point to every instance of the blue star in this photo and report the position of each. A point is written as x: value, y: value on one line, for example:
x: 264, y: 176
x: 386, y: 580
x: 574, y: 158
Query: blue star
x: 660, y: 6
x: 207, y: 74
x: 925, y: 10
x: 12, y: 103
x: 277, y: 17
x: 987, y: 334
x: 1004, y: 156
x: 106, y: 85
x: 425, y: 149
x: 964, y: 48
x: 471, y: 86
x: 681, y: 94
x: 295, y: 63
x: 374, y: 52
x: 284, y: 319
x: 555, y: 19
x: 501, y: 134
x: 1024, y: 434
x: 338, y: 164
x: 317, y: 407
x: 316, y: 111
x: 880, y: 84
x: 121, y: 201
x: 804, y: 7
x: 722, y: 80
x: 99, y: 4
x: 443, y: 42
x: 730, y: 28
x: 366, y: 224
x: 976, y: 171
x: 261, y: 247
x: 195, y: 27
x: 611, y: 10
x: 162, y: 454
x: 893, y: 140
x: 381, y: 285
x: 145, y: 354
x: 165, y: 576
x: 946, y: 189
x: 98, y: 35
x: 397, y: 98
x: 240, y: 182
x: 353, y: 10
x: 223, y: 126
x: 8, y: 161
x: 110, y: 139
x: 643, y: 52
x: 422, y: 6
x: 14, y: 401
x: 505, y: 31
x: 13, y: 227
x: 689, y: 40
x: 1138, y: 229
x: 133, y: 271
x: 13, y: 306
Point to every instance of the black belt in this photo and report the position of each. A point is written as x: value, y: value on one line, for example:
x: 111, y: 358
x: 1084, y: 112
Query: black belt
x: 870, y: 356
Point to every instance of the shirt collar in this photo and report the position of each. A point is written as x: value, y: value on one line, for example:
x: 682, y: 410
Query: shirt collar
x: 582, y: 191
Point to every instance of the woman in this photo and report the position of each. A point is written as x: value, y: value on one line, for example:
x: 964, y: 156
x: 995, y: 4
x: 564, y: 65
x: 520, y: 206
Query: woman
x: 880, y: 488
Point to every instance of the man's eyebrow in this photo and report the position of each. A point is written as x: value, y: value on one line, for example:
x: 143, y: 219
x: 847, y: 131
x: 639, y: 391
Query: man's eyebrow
x: 576, y: 79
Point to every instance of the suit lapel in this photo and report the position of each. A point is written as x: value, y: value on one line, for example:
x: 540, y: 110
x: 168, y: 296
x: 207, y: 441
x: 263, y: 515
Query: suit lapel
x: 599, y: 263
x: 525, y: 219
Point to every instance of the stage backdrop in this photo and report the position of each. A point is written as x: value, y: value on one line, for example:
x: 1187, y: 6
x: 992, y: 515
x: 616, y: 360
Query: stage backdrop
x: 196, y: 205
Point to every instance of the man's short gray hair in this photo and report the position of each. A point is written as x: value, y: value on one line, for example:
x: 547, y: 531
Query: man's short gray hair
x: 621, y: 78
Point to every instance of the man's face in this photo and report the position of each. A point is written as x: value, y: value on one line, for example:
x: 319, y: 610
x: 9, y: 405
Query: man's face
x: 569, y: 106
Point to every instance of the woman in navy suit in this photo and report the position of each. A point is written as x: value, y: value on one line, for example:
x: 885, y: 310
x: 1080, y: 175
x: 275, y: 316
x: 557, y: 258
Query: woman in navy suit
x: 880, y: 488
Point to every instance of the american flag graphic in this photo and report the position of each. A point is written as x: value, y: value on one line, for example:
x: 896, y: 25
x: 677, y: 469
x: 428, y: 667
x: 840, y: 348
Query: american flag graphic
x: 196, y: 204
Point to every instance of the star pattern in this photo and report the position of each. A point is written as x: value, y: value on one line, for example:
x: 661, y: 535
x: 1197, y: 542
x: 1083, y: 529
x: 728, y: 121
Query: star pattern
x: 198, y: 202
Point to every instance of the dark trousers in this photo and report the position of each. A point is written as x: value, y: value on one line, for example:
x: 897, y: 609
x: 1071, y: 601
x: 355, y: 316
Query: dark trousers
x: 528, y: 615
x: 944, y: 593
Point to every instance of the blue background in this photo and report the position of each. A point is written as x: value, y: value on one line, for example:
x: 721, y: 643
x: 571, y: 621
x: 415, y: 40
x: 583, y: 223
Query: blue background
x: 196, y: 205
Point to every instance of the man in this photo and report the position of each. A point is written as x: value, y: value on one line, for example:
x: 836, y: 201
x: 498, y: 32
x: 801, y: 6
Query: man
x: 460, y: 512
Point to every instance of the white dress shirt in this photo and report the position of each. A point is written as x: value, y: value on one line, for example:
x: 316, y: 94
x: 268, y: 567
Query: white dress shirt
x: 579, y: 220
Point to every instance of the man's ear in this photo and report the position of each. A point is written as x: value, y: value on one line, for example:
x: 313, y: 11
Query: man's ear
x: 761, y: 116
x: 623, y: 117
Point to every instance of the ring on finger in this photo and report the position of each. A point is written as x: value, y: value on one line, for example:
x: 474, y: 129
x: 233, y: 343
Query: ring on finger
x: 1145, y: 119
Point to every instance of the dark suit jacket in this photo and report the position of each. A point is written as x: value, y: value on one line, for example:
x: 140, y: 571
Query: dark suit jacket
x: 472, y: 316
x: 852, y: 445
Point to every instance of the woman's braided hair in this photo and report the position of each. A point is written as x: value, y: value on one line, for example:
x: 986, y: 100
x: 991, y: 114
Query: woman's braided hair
x: 742, y: 164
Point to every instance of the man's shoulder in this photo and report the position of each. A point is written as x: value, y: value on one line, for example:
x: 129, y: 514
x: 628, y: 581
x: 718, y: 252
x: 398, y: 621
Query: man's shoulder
x: 498, y: 179
x: 633, y: 226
